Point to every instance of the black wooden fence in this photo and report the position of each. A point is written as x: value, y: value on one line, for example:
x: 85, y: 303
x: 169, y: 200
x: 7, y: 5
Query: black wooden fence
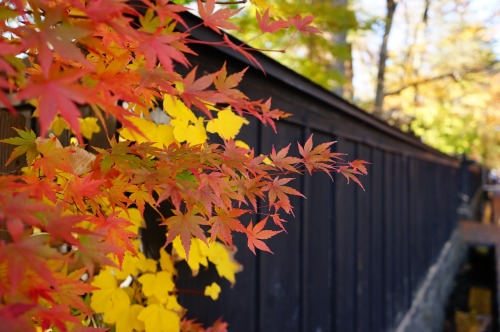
x: 352, y: 260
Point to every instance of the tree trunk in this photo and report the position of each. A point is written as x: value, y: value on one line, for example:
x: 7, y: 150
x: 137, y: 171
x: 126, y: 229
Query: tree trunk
x: 379, y: 95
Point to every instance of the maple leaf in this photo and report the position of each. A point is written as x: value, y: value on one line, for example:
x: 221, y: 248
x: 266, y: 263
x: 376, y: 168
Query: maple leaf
x: 114, y: 230
x: 302, y: 24
x: 28, y: 254
x: 70, y: 290
x: 14, y: 317
x: 227, y: 124
x: 256, y: 234
x: 225, y: 84
x: 157, y: 318
x: 194, y: 91
x: 277, y: 191
x: 58, y: 91
x: 92, y: 252
x: 319, y: 158
x: 224, y: 223
x: 266, y: 26
x: 224, y: 261
x: 108, y: 299
x: 218, y: 326
x: 350, y: 174
x: 25, y: 145
x: 165, y: 48
x: 359, y: 166
x: 79, y: 188
x: 165, y: 10
x: 63, y: 227
x: 217, y: 19
x: 281, y: 161
x: 212, y: 291
x: 56, y: 316
x: 185, y: 226
x: 157, y: 284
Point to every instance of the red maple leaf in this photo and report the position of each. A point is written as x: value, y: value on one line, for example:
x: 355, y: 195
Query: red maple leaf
x: 267, y: 26
x: 319, y: 158
x: 256, y: 234
x: 217, y: 19
x: 350, y: 174
x: 281, y: 161
x: 164, y: 48
x: 186, y: 226
x: 14, y: 317
x: 359, y: 165
x: 277, y: 191
x: 218, y: 326
x: 224, y: 223
x: 302, y: 24
x: 113, y: 229
x: 70, y: 290
x: 195, y: 90
x: 30, y: 253
x: 225, y: 84
x: 58, y: 91
x: 93, y: 252
x: 80, y: 188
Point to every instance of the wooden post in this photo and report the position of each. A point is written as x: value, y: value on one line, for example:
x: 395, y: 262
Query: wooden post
x: 7, y: 122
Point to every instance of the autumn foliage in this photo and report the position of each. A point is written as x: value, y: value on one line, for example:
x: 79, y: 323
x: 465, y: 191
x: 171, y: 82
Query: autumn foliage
x: 71, y: 258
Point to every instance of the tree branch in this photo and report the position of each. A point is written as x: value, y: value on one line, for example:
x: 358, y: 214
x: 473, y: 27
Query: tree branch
x: 452, y: 75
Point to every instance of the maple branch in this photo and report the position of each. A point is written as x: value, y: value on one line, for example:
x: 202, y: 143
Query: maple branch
x: 189, y: 291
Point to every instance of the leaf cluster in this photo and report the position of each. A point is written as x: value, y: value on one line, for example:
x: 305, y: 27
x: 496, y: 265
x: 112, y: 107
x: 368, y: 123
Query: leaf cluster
x: 71, y: 219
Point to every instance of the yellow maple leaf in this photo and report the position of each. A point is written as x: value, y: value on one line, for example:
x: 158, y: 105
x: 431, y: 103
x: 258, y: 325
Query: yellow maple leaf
x: 177, y: 109
x: 160, y: 134
x: 59, y: 125
x: 134, y: 216
x: 157, y: 284
x: 166, y: 263
x: 109, y: 299
x: 198, y: 253
x: 224, y: 261
x: 89, y: 126
x: 227, y: 124
x: 196, y: 134
x: 212, y: 291
x: 158, y: 319
x: 187, y: 128
x: 128, y: 321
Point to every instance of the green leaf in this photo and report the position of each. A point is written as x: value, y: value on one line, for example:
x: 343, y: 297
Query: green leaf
x: 25, y: 145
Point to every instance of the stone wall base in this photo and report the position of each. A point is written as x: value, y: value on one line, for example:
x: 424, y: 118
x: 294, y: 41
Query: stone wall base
x: 427, y: 312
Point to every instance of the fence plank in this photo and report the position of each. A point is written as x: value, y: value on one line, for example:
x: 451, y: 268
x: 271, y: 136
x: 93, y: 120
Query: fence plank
x: 345, y: 250
x: 317, y: 235
x: 280, y: 274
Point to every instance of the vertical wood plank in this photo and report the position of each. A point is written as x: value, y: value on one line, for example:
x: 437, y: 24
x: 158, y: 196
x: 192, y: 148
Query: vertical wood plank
x: 345, y: 250
x: 318, y: 250
x: 280, y: 274
x: 377, y: 239
x: 364, y: 255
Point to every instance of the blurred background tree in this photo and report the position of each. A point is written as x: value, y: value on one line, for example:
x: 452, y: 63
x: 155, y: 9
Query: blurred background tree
x: 429, y: 67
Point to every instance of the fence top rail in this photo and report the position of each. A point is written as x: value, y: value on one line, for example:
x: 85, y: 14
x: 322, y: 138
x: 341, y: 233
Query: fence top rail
x: 294, y: 81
